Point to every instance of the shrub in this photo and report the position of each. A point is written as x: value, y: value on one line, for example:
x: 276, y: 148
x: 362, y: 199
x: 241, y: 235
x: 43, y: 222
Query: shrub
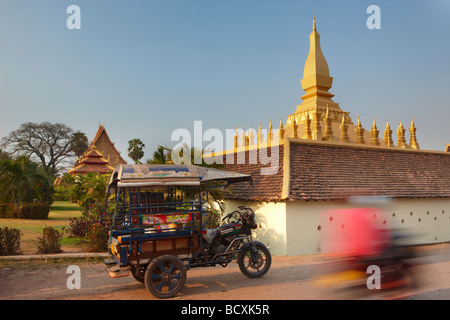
x: 61, y: 194
x: 34, y: 211
x: 50, y: 242
x: 9, y: 241
x: 7, y: 211
x: 79, y: 227
x: 97, y: 238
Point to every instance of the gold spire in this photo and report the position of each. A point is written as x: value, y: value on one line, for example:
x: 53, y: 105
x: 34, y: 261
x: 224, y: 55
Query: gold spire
x: 328, y: 134
x: 374, y: 132
x: 316, y: 129
x: 281, y: 130
x: 344, y: 130
x: 413, y: 139
x: 359, y: 133
x: 269, y: 133
x: 307, y: 133
x: 295, y: 128
x: 401, y: 141
x: 251, y: 136
x: 314, y: 21
x: 388, y: 135
x: 316, y: 77
x: 260, y: 135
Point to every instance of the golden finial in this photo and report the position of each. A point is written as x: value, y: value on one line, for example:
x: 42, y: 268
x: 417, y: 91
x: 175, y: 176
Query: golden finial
x: 281, y: 130
x: 235, y: 138
x: 294, y: 133
x: 374, y: 132
x: 413, y: 139
x: 359, y: 132
x: 328, y: 134
x: 260, y: 135
x: 269, y: 133
x: 387, y: 136
x: 307, y: 133
x: 401, y: 141
x: 314, y: 21
x: 250, y: 136
x: 243, y: 138
x: 316, y: 129
x: 344, y: 130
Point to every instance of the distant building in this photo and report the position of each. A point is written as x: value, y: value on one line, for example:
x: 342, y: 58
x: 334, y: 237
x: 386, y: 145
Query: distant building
x: 100, y: 157
x: 92, y: 162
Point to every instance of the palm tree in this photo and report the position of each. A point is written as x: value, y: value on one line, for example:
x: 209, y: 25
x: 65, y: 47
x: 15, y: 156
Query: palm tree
x: 135, y: 149
x: 23, y: 181
x: 95, y: 185
x: 162, y: 155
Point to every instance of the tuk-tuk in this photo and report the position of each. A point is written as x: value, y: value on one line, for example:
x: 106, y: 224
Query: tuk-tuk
x: 157, y: 215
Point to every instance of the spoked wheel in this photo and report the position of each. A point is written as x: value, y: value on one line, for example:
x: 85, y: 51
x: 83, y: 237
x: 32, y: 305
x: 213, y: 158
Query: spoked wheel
x: 165, y: 276
x: 138, y: 273
x: 255, y: 263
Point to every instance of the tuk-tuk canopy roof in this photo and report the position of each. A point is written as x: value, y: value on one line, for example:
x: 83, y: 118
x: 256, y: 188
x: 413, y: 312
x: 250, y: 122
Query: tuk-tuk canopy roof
x: 139, y: 175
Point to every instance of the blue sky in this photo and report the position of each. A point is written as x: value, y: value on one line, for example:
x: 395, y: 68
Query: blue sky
x: 145, y: 68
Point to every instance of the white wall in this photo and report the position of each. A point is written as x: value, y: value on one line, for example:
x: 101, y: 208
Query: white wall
x: 271, y: 219
x: 292, y: 227
x: 428, y: 220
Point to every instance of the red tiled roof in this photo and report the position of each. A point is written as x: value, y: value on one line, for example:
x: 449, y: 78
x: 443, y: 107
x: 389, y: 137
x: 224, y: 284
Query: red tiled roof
x: 264, y: 187
x: 321, y: 172
x: 326, y: 172
x: 95, y: 168
x: 92, y: 162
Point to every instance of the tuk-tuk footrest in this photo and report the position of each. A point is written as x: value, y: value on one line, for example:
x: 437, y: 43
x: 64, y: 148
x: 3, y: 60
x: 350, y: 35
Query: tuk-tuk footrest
x: 116, y: 271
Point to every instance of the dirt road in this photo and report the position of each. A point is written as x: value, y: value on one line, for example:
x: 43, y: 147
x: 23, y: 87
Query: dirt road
x: 290, y: 278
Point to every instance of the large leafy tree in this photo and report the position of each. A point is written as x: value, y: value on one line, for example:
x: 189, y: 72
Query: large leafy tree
x: 136, y: 149
x: 50, y: 144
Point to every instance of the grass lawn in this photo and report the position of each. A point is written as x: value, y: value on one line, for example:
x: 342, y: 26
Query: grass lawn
x: 60, y: 213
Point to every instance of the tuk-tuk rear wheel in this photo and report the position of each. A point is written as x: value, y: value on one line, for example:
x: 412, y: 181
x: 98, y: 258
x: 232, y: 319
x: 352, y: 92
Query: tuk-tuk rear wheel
x: 165, y: 276
x: 138, y: 273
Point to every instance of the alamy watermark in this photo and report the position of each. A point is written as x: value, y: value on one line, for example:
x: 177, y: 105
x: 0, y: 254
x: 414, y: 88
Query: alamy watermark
x: 74, y: 280
x: 263, y: 152
x: 374, y: 280
x: 374, y: 20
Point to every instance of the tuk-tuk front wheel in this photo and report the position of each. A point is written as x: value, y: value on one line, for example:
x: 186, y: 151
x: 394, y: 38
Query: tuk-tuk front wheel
x: 165, y: 276
x: 254, y: 262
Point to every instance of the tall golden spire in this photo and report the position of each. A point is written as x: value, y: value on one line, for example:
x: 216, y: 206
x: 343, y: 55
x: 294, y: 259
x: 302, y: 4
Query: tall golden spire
x: 316, y: 77
x: 314, y: 21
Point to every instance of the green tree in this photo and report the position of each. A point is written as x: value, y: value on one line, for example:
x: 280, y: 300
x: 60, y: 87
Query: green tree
x: 162, y: 155
x: 136, y: 149
x: 23, y: 181
x: 48, y: 143
x: 4, y: 155
x: 80, y: 143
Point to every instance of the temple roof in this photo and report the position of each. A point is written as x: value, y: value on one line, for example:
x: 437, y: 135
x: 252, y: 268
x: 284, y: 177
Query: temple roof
x: 105, y: 145
x: 92, y: 161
